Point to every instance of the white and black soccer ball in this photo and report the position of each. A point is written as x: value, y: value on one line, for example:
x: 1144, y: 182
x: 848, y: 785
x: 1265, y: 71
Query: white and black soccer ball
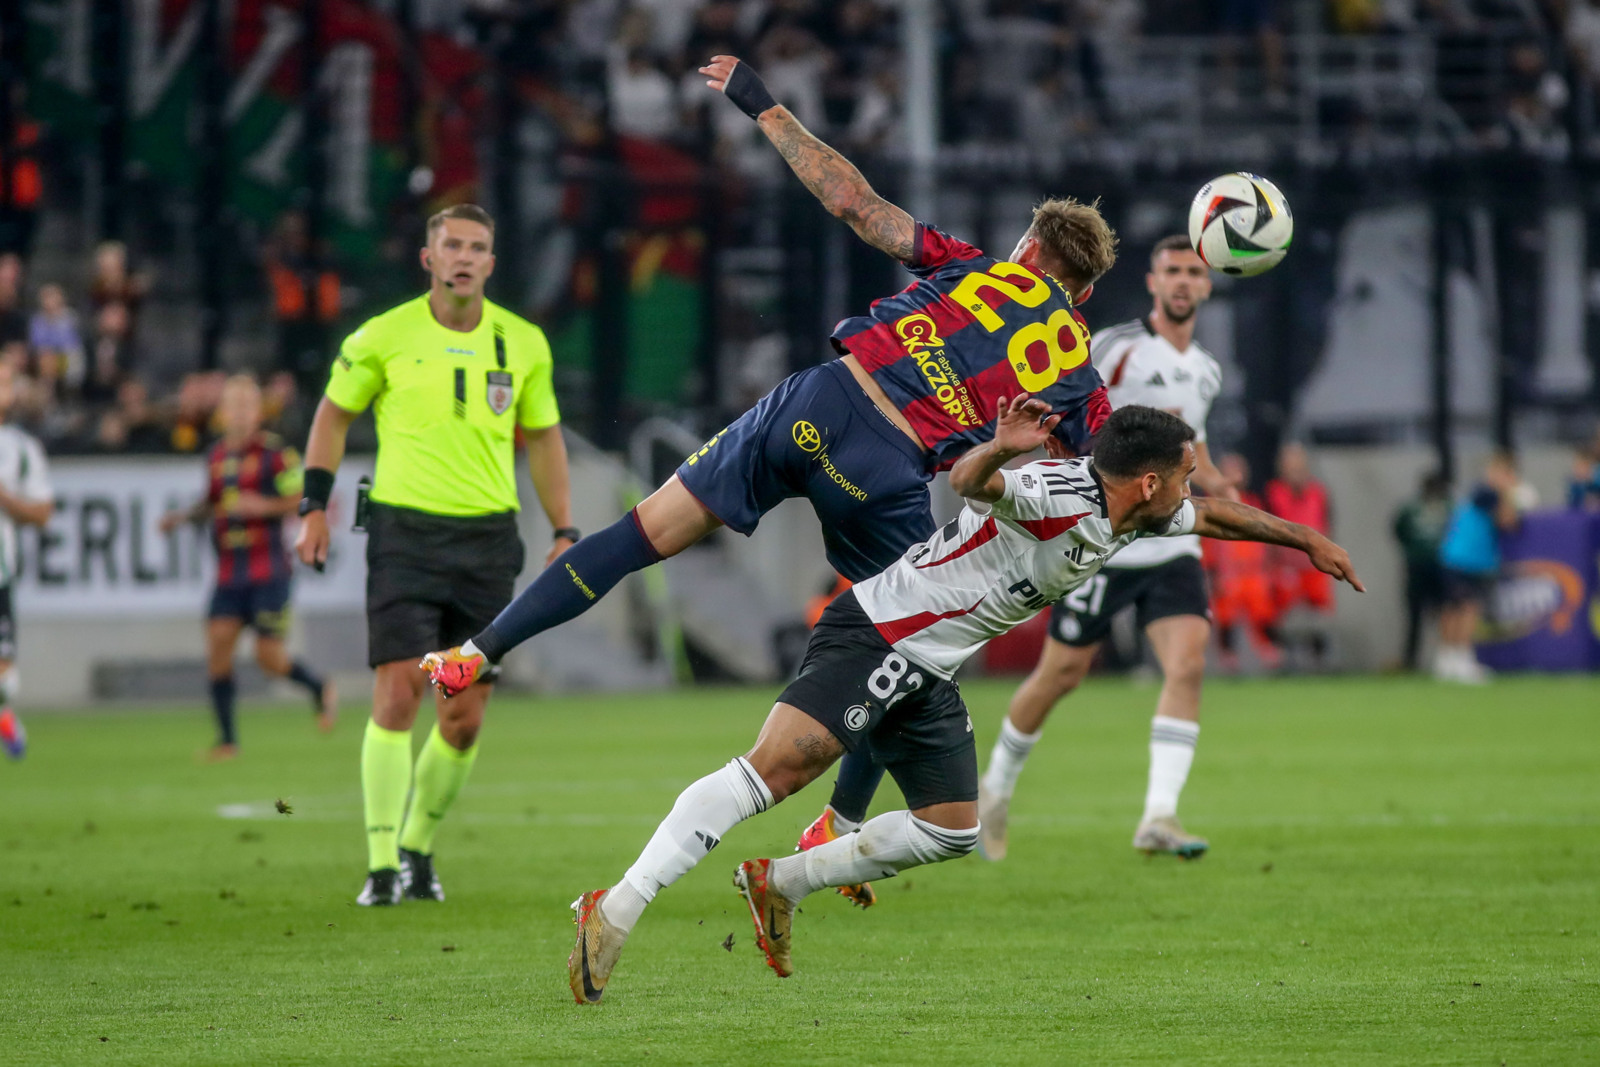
x: 1240, y: 224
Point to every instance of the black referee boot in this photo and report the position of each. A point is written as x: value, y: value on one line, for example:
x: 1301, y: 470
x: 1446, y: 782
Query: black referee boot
x: 417, y: 878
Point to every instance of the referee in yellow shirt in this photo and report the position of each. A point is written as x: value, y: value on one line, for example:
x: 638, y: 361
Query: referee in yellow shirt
x: 450, y: 377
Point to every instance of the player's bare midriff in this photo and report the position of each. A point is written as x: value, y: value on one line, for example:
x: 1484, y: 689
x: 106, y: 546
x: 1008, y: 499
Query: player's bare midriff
x: 880, y: 398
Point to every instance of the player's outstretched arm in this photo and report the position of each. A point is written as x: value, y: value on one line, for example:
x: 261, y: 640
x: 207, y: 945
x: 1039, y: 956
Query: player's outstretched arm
x: 1021, y: 428
x: 832, y: 179
x: 1226, y: 520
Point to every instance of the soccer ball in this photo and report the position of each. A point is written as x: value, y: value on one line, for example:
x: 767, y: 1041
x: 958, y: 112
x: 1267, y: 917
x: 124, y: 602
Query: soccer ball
x: 1240, y: 224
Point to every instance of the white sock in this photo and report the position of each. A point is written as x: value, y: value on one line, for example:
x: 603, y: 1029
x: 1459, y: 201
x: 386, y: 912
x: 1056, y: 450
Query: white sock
x: 705, y: 811
x: 881, y: 849
x: 1011, y: 750
x: 1172, y: 744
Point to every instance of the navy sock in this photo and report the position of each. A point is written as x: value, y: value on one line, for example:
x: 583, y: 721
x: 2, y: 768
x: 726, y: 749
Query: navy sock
x: 222, y: 690
x: 302, y: 675
x: 570, y: 586
x: 859, y: 775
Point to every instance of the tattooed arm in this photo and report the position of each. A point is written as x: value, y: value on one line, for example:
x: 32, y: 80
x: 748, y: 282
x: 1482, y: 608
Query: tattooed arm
x: 832, y: 179
x: 1226, y: 520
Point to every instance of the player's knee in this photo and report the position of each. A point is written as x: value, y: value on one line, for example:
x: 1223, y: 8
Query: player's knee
x: 461, y: 734
x: 934, y: 844
x: 1063, y: 678
x: 1188, y: 670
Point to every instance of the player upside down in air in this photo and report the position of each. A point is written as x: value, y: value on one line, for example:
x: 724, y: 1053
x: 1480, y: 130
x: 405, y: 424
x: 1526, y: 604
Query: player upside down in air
x: 917, y: 383
x: 253, y: 482
x: 877, y: 673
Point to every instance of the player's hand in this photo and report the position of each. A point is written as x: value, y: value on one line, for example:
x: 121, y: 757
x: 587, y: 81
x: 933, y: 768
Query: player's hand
x: 558, y: 546
x: 311, y: 543
x: 172, y: 520
x: 251, y: 506
x: 1024, y: 424
x: 1329, y: 558
x: 719, y: 70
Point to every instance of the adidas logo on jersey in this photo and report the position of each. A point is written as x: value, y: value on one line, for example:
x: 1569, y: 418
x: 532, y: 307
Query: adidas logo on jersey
x: 1156, y: 379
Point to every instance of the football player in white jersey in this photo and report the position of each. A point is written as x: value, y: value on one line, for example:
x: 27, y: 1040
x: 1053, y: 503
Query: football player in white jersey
x: 877, y: 673
x: 1153, y: 361
x: 26, y: 499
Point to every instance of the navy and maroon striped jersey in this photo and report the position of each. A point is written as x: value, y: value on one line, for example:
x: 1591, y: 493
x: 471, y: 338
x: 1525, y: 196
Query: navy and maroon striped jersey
x: 250, y: 550
x: 970, y: 330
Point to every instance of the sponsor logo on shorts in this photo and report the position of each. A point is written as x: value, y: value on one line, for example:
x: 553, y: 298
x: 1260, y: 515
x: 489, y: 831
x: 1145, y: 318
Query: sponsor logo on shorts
x: 806, y: 436
x: 855, y: 717
x: 809, y: 440
x: 1069, y: 628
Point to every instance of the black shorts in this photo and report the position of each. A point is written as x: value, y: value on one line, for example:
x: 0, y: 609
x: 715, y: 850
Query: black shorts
x: 1466, y: 587
x: 8, y: 627
x: 433, y: 581
x: 1176, y: 587
x: 869, y: 696
x: 264, y: 606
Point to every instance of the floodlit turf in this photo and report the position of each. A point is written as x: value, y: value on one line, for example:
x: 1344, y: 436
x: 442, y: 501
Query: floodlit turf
x: 1401, y: 874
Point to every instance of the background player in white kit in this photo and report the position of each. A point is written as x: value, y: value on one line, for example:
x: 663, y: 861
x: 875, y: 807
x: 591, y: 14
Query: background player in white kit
x: 877, y: 672
x: 26, y: 499
x: 1153, y: 361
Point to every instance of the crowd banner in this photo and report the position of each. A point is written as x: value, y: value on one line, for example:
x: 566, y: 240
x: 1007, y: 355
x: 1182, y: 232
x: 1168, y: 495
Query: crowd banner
x: 103, y: 554
x: 1544, y: 613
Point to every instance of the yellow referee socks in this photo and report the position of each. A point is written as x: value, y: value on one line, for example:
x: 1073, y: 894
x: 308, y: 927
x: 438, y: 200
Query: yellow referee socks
x: 441, y: 772
x: 385, y: 777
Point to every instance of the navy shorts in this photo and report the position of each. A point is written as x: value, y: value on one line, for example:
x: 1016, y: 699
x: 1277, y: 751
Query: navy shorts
x: 264, y: 606
x: 1467, y: 587
x: 818, y: 435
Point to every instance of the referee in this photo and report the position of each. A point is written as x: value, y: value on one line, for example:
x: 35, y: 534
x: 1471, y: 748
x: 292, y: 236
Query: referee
x: 450, y: 377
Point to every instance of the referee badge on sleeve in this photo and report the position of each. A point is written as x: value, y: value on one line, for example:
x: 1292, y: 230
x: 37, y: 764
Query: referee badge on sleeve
x: 499, y: 391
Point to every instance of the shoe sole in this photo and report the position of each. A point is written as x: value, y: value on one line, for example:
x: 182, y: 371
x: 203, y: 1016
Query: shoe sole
x: 741, y: 879
x: 1183, y: 852
x: 862, y: 896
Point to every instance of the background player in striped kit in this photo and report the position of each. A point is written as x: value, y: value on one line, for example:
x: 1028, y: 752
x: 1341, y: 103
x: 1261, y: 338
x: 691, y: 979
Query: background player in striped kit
x: 253, y: 483
x: 26, y: 499
x: 1153, y: 361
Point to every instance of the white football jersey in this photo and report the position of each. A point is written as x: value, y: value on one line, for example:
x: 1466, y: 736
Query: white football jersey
x: 1141, y: 367
x: 23, y: 473
x: 994, y: 566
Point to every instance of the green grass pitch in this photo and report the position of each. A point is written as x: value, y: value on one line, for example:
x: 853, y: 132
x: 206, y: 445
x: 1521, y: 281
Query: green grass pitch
x: 1401, y: 874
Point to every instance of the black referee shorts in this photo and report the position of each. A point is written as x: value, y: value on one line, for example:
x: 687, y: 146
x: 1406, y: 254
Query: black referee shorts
x: 433, y: 581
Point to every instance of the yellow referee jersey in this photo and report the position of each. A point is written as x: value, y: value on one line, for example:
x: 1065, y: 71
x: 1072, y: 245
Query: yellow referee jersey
x: 447, y: 404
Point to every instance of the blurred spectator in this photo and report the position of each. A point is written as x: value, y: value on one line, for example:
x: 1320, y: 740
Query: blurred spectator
x: 13, y: 320
x: 1298, y: 497
x: 111, y: 356
x: 1255, y: 21
x: 1470, y: 557
x: 1419, y: 526
x: 132, y: 425
x: 1241, y: 584
x: 1536, y: 96
x: 644, y: 102
x: 56, y: 340
x: 1583, y: 487
x: 198, y: 397
x: 305, y: 300
x: 112, y: 282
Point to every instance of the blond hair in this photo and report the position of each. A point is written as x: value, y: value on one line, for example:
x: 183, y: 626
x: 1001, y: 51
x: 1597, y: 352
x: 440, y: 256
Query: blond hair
x: 1076, y: 239
x: 468, y: 212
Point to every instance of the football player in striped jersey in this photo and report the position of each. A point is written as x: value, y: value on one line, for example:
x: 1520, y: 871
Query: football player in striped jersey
x: 877, y: 673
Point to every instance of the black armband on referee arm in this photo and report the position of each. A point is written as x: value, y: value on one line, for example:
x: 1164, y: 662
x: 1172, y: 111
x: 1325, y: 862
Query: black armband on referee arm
x: 746, y: 89
x: 318, y: 488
